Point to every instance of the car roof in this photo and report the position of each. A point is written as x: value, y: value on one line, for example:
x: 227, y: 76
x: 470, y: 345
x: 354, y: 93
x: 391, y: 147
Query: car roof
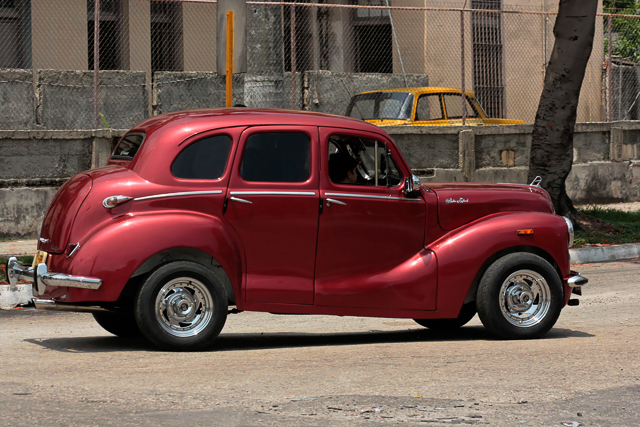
x: 191, y: 122
x: 425, y: 89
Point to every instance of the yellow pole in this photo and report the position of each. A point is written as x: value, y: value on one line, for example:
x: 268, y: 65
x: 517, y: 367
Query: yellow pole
x: 229, y: 57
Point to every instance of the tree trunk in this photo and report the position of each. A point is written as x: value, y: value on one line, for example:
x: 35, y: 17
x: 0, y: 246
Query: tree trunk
x: 552, y: 138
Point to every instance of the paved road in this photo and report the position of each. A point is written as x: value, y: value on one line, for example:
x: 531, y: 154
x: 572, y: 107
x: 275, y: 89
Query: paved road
x: 62, y: 369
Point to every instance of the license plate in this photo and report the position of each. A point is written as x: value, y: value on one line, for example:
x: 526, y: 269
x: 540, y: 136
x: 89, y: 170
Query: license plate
x: 41, y: 256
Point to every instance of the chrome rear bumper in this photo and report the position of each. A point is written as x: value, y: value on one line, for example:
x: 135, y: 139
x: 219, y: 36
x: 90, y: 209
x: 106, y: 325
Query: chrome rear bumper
x: 41, y: 277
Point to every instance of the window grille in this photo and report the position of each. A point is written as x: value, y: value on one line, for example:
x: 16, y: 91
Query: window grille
x: 488, y: 56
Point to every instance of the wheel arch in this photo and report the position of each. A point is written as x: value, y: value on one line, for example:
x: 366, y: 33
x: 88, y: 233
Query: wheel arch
x: 179, y: 254
x: 473, y: 289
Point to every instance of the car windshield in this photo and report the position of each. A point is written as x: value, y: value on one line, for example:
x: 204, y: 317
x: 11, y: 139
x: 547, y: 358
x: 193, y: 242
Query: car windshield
x: 381, y: 106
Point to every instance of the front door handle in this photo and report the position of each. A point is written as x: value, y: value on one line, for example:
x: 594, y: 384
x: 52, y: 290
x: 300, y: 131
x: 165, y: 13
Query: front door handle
x: 237, y: 199
x: 337, y: 202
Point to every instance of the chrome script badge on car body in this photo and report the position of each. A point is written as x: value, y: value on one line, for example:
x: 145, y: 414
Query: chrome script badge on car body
x: 460, y: 200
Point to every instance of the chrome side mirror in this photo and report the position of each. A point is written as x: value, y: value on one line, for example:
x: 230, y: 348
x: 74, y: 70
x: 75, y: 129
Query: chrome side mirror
x: 412, y: 186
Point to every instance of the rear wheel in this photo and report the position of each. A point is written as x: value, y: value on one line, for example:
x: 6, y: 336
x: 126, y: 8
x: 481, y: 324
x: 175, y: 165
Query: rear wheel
x: 120, y: 324
x: 444, y: 325
x: 520, y: 296
x: 181, y: 306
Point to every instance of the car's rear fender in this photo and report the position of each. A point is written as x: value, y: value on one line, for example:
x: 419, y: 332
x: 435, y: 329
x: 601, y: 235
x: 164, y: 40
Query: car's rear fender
x: 130, y: 246
x: 465, y: 253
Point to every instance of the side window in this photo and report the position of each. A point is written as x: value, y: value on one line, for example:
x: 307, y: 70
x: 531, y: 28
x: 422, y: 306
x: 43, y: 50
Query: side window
x: 203, y: 159
x: 277, y: 157
x: 454, y: 107
x: 352, y: 160
x: 429, y: 107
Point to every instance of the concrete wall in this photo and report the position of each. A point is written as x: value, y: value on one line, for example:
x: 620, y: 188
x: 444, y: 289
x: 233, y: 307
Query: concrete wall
x: 174, y: 91
x: 264, y: 40
x: 17, y: 100
x: 36, y: 164
x: 56, y: 99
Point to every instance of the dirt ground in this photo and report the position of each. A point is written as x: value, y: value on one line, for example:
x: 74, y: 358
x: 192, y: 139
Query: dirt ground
x: 63, y: 369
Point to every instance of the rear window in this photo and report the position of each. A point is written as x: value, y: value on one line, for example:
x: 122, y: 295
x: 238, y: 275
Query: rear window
x: 128, y: 146
x: 204, y: 159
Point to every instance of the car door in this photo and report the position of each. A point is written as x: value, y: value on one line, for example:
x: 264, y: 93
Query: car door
x: 371, y: 236
x: 273, y: 204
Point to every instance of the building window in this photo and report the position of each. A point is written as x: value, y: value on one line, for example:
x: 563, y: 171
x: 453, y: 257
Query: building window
x: 14, y: 34
x: 373, y: 38
x: 488, y: 56
x: 166, y: 36
x: 109, y: 36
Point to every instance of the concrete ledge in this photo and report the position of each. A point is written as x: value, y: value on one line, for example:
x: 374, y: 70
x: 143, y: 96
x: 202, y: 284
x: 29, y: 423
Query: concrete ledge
x: 13, y: 297
x: 604, y: 253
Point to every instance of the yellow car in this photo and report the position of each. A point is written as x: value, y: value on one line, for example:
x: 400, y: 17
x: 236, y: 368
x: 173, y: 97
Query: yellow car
x: 420, y: 106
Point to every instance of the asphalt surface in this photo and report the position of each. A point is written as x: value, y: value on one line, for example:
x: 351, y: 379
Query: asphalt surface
x: 63, y: 369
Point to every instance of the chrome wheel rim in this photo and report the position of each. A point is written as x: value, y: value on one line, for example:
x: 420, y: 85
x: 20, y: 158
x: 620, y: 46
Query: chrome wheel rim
x: 525, y: 298
x: 184, y: 307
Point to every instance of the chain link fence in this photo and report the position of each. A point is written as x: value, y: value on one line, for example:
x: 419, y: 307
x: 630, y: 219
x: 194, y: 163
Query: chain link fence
x: 86, y: 64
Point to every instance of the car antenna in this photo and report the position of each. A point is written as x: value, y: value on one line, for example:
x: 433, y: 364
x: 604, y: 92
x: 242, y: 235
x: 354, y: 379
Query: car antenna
x: 350, y: 97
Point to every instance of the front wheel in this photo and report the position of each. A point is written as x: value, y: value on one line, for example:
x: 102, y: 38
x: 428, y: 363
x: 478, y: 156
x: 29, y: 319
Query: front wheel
x: 446, y: 325
x: 181, y: 306
x: 519, y: 296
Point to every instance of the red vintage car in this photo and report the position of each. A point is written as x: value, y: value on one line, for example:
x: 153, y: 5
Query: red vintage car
x: 292, y: 212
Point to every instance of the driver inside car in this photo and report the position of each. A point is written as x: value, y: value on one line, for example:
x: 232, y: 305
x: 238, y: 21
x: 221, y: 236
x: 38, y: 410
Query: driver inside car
x: 342, y: 168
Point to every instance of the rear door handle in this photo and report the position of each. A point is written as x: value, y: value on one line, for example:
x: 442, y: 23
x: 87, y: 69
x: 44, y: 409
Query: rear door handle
x: 239, y: 200
x: 337, y: 202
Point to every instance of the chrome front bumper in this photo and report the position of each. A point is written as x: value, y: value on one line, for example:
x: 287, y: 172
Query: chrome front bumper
x: 577, y: 280
x: 41, y: 277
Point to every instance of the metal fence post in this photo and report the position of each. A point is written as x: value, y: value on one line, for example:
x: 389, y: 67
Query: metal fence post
x: 96, y: 64
x: 462, y: 79
x: 609, y: 82
x: 294, y: 104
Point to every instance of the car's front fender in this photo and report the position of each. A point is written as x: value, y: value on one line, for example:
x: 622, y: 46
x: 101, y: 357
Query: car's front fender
x: 464, y: 253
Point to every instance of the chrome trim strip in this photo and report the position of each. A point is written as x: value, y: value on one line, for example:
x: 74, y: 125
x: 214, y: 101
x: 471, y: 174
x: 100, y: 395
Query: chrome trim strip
x: 576, y: 281
x: 369, y: 196
x: 272, y: 193
x: 186, y: 193
x: 49, y: 304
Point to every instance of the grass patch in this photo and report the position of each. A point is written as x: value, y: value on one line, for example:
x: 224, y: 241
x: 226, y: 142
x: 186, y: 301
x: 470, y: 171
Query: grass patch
x: 626, y: 225
x: 24, y: 260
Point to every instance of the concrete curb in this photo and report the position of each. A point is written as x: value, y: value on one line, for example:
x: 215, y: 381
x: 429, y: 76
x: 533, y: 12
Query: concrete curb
x: 591, y: 254
x: 11, y: 297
